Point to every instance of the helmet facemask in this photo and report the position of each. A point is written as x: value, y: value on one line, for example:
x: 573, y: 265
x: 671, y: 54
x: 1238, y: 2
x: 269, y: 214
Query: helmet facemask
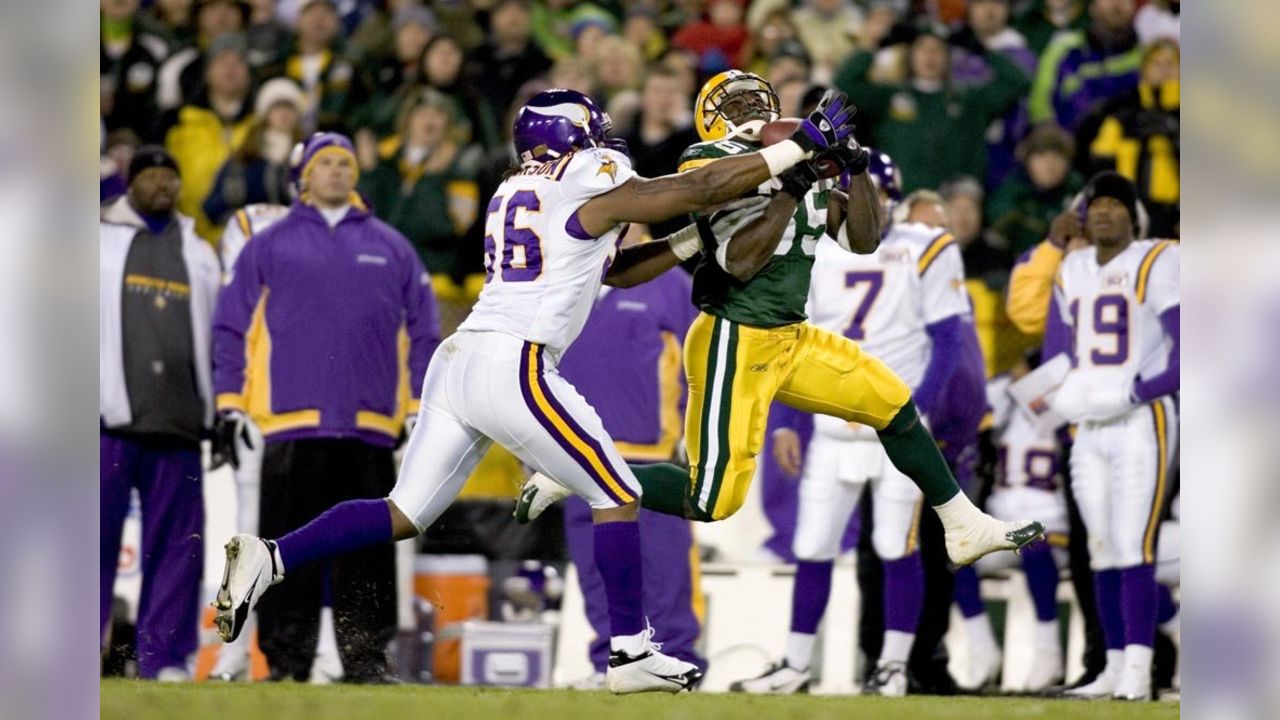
x: 744, y: 102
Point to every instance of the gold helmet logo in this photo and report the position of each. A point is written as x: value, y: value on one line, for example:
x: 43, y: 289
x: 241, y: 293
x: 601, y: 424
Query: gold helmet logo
x: 734, y: 102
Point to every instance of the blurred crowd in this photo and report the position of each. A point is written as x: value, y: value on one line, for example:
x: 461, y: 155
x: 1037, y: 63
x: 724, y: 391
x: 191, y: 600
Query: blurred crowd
x: 1002, y: 105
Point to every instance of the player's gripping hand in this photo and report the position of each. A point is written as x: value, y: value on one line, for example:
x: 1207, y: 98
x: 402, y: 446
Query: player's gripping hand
x: 830, y: 123
x: 799, y: 180
x: 229, y: 426
x: 848, y: 155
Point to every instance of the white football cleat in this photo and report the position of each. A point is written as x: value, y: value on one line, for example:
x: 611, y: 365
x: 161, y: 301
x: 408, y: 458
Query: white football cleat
x: 985, y: 535
x: 649, y: 671
x: 778, y: 679
x: 251, y: 568
x: 1135, y: 684
x: 889, y: 680
x: 594, y: 681
x: 1046, y: 669
x: 1104, y: 686
x: 985, y: 663
x: 539, y: 493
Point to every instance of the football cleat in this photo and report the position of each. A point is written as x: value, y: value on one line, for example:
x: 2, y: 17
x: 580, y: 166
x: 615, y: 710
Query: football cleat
x: 594, y: 681
x: 1103, y: 686
x: 539, y: 493
x: 778, y: 679
x: 1135, y: 684
x: 251, y: 568
x: 1046, y: 669
x: 889, y: 680
x: 985, y: 663
x: 987, y: 535
x: 649, y: 671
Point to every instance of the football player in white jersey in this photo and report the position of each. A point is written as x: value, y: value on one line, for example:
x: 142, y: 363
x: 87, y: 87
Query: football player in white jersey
x: 551, y: 239
x: 901, y: 304
x: 1120, y: 299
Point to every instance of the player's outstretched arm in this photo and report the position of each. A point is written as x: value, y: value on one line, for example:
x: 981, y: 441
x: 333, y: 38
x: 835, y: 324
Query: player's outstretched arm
x: 640, y: 263
x: 862, y: 219
x: 651, y: 201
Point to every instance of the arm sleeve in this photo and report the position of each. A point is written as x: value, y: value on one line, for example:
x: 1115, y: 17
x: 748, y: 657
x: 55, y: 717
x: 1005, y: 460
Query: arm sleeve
x: 944, y: 360
x: 233, y: 318
x: 1057, y: 331
x: 943, y: 288
x: 852, y: 78
x: 1030, y: 284
x: 422, y: 323
x: 1169, y: 381
x: 1040, y: 103
x: 215, y: 204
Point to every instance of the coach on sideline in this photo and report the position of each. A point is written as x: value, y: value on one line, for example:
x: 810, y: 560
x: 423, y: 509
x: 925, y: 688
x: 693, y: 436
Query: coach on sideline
x: 157, y: 286
x: 322, y: 336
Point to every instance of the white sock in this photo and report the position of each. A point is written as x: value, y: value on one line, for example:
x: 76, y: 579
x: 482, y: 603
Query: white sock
x: 799, y: 650
x: 1046, y: 634
x: 978, y: 629
x: 1137, y: 658
x: 1115, y: 662
x: 957, y: 512
x: 630, y: 644
x: 897, y: 646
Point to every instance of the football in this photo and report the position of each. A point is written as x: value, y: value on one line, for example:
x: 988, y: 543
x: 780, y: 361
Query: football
x: 781, y: 129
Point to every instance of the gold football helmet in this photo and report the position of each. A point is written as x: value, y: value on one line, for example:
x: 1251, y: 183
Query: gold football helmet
x: 731, y: 101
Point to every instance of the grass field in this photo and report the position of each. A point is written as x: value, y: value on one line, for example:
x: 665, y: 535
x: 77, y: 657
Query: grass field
x: 133, y: 700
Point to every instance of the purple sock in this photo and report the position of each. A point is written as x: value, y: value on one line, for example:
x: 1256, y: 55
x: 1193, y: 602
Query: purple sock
x: 618, y: 558
x: 1138, y: 603
x: 347, y: 526
x: 903, y: 593
x: 810, y: 594
x: 1106, y: 592
x: 968, y: 595
x: 1042, y: 579
x: 1166, y: 606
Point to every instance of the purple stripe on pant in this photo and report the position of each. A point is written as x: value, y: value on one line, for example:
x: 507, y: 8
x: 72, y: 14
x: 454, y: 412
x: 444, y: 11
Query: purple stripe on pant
x: 527, y: 391
x: 167, y: 475
x: 668, y: 582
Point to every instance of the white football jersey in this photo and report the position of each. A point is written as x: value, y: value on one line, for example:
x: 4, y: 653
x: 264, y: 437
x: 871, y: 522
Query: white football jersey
x: 245, y: 223
x: 885, y: 300
x: 1114, y: 312
x: 542, y: 270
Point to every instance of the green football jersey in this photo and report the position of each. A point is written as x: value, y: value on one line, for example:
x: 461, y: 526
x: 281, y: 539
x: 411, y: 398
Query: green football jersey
x: 776, y: 295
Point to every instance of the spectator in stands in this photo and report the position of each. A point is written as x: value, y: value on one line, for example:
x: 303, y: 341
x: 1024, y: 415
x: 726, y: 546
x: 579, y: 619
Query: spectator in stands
x: 268, y: 37
x: 933, y: 130
x: 171, y: 22
x: 575, y: 74
x: 318, y: 65
x: 661, y: 132
x: 377, y: 39
x: 182, y: 76
x: 642, y: 30
x: 829, y: 30
x: 1023, y: 207
x: 987, y: 22
x: 685, y: 63
x: 258, y: 171
x: 441, y: 69
x: 210, y: 128
x: 620, y: 69
x: 721, y: 32
x: 627, y: 364
x: 322, y: 371
x: 553, y: 22
x: 788, y: 62
x: 157, y: 287
x: 1081, y: 70
x: 1139, y: 138
x: 128, y: 59
x: 771, y: 32
x: 1159, y: 20
x: 422, y: 190
x: 1044, y: 19
x: 113, y: 164
x: 509, y: 58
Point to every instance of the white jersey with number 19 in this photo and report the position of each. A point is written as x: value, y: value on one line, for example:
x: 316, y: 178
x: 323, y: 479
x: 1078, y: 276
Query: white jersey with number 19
x: 542, y: 270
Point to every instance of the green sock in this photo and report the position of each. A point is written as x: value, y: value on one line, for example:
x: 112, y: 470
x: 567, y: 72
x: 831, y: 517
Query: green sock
x: 665, y: 487
x: 915, y: 453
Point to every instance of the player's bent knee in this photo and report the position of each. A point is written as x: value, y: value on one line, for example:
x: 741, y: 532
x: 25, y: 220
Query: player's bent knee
x: 890, y: 546
x: 814, y: 549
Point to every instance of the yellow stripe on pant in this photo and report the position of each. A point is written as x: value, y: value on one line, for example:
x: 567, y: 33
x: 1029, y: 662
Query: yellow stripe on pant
x: 735, y: 371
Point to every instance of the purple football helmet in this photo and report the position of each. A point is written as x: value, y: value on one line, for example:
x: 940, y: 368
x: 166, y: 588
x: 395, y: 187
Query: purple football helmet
x: 884, y: 175
x: 556, y: 122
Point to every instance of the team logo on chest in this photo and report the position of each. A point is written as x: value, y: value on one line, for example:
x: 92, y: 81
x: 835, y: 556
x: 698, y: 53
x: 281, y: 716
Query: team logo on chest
x: 608, y: 167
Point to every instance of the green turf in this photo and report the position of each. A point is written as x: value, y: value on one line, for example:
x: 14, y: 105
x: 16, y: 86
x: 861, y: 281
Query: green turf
x: 132, y: 700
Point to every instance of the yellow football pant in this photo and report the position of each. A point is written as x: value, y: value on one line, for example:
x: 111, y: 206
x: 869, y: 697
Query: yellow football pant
x: 735, y: 371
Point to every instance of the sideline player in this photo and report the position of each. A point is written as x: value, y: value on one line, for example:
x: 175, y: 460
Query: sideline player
x: 751, y: 344
x: 550, y: 240
x: 1120, y: 298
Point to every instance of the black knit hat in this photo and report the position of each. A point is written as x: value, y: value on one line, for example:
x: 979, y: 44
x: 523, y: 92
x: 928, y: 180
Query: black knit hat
x: 1113, y: 185
x: 149, y: 156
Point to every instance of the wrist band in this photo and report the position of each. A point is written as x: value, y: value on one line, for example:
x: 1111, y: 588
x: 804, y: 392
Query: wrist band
x: 782, y: 156
x: 685, y: 242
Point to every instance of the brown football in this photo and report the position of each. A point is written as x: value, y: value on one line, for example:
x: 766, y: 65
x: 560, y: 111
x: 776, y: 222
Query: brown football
x: 781, y: 129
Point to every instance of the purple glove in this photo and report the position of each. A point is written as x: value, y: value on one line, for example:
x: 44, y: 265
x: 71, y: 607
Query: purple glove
x: 830, y: 123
